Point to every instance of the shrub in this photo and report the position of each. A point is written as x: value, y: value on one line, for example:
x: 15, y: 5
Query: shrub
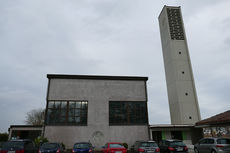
x: 125, y: 145
x: 63, y: 145
x: 40, y: 140
x: 3, y: 137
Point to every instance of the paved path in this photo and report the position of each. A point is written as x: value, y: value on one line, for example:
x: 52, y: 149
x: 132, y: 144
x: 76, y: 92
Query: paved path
x: 191, y: 151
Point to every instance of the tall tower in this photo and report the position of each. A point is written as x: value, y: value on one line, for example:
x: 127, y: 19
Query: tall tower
x: 183, y: 103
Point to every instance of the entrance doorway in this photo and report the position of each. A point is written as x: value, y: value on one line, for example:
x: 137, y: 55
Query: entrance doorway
x: 177, y: 135
x: 157, y: 136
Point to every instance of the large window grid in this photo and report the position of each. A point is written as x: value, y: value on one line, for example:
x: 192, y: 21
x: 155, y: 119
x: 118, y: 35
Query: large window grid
x: 67, y: 113
x: 128, y: 113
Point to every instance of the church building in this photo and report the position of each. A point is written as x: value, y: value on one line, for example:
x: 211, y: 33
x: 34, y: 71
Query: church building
x: 98, y: 109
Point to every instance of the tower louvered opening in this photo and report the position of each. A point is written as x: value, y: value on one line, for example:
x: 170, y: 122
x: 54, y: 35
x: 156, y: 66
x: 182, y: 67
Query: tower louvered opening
x: 175, y: 24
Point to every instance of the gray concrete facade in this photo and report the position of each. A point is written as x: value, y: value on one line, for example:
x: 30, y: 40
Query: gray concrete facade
x: 97, y: 91
x: 182, y: 97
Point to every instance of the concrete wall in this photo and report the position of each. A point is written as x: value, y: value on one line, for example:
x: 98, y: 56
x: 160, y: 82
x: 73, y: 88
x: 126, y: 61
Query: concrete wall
x: 98, y: 93
x: 183, y: 103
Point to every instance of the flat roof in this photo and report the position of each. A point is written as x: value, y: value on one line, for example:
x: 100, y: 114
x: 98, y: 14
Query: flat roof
x: 95, y: 77
x: 171, y: 126
x: 25, y: 126
x: 167, y: 6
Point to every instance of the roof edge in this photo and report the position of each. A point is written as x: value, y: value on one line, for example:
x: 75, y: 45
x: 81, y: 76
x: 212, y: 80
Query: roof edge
x: 95, y: 77
x: 221, y: 118
x: 170, y: 125
x: 168, y: 6
x: 11, y: 126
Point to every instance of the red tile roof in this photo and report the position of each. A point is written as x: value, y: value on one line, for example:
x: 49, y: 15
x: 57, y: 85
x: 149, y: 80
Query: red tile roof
x: 222, y: 118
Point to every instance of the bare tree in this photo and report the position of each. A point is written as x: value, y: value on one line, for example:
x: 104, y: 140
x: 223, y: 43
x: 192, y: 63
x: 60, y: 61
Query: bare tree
x: 35, y: 117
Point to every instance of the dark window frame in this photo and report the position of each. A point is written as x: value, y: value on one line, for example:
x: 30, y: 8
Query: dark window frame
x: 68, y: 112
x: 129, y: 111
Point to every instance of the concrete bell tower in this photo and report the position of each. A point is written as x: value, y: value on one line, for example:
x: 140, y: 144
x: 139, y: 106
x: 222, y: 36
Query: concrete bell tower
x: 183, y: 103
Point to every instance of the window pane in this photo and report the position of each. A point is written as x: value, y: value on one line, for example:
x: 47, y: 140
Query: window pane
x: 62, y: 119
x: 223, y: 141
x: 63, y: 112
x: 57, y: 104
x: 71, y: 112
x: 51, y: 104
x: 64, y: 104
x: 50, y: 116
x: 77, y: 112
x: 84, y: 119
x: 78, y: 105
x: 84, y: 105
x: 83, y: 112
x: 77, y: 119
x: 148, y: 144
x: 56, y: 114
x: 210, y: 141
x: 177, y: 143
x: 71, y: 119
x: 71, y: 105
x: 83, y: 145
x: 116, y: 146
x: 49, y: 112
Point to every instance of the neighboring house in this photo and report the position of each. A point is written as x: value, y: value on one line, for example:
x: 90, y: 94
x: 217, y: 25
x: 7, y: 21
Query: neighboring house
x: 216, y: 126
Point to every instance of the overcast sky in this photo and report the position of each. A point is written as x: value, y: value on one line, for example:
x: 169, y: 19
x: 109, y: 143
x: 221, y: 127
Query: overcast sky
x: 108, y: 37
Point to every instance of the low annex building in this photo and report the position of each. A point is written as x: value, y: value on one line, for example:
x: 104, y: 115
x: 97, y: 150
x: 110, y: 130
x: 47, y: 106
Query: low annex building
x: 98, y: 109
x: 24, y: 131
x: 188, y: 133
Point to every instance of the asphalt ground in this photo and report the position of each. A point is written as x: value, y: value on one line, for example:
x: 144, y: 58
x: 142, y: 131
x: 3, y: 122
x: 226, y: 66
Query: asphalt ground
x: 191, y: 151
